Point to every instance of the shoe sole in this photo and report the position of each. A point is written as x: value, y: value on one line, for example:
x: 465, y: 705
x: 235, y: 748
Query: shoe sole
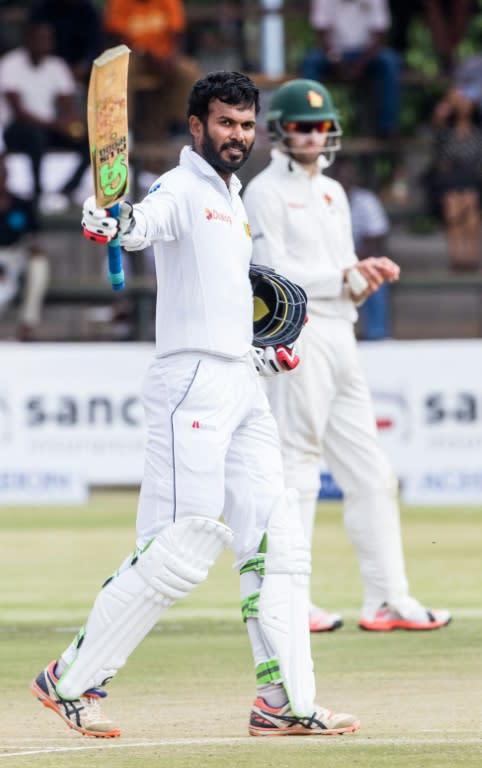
x: 410, y: 626
x: 47, y: 702
x: 299, y: 730
x: 331, y: 628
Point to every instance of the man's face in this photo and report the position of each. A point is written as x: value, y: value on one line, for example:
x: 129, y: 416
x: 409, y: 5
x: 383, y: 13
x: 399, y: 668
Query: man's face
x: 306, y: 146
x: 227, y: 137
x: 40, y: 40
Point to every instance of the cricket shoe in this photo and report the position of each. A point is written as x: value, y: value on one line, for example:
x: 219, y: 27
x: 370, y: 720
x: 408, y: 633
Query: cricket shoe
x: 83, y: 714
x: 418, y: 620
x: 322, y: 621
x: 280, y: 721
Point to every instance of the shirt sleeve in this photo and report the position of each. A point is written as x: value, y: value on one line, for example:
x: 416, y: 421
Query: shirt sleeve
x: 161, y: 216
x: 9, y: 74
x: 63, y: 77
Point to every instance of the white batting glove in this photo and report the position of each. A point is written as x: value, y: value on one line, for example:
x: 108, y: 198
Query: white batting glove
x: 98, y: 226
x: 269, y: 361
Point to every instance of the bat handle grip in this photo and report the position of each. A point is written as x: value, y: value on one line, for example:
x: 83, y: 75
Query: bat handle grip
x: 115, y: 272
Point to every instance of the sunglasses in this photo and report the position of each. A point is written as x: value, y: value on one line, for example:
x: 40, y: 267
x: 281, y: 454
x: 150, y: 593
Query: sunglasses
x: 320, y: 126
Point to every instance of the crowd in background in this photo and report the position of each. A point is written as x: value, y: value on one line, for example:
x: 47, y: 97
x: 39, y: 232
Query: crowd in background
x: 360, y: 45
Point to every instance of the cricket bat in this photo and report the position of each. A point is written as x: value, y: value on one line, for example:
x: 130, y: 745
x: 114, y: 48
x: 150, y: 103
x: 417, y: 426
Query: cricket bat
x: 108, y: 141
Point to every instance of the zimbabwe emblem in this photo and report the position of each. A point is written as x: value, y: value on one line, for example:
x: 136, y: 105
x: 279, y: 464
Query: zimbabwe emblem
x: 315, y: 99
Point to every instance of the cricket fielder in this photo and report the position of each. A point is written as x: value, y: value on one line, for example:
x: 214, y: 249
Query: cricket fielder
x: 212, y: 444
x: 300, y: 222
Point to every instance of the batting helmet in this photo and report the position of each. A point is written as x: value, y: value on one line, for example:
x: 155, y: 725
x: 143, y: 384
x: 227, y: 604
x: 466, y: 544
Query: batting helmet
x: 303, y: 101
x: 279, y: 308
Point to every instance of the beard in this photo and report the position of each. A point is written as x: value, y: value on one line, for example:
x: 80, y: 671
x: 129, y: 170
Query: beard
x: 306, y: 155
x: 213, y: 155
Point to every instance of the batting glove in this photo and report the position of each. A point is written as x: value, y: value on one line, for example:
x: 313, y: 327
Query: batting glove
x: 270, y: 361
x: 100, y: 227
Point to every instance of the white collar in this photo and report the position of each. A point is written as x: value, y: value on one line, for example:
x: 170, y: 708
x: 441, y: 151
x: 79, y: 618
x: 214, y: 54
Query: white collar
x: 195, y: 162
x: 283, y: 160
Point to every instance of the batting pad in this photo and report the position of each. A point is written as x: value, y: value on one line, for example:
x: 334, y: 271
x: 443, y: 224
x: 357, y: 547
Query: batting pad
x: 175, y: 561
x: 284, y: 603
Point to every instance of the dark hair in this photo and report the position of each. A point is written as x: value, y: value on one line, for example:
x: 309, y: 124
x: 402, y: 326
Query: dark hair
x: 231, y: 87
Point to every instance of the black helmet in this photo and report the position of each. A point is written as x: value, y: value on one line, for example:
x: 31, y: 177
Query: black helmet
x: 279, y: 308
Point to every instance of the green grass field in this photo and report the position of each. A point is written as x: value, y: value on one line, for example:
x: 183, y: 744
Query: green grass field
x: 184, y: 697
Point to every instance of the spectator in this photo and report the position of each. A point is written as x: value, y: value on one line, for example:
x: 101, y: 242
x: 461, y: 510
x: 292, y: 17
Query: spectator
x: 370, y: 227
x: 39, y: 95
x: 153, y: 30
x: 20, y: 255
x: 352, y: 48
x: 448, y: 21
x: 77, y: 28
x: 455, y: 176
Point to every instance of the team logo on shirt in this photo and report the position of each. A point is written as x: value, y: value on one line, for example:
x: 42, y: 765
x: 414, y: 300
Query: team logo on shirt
x: 315, y: 99
x: 328, y: 199
x: 213, y: 215
x: 247, y: 229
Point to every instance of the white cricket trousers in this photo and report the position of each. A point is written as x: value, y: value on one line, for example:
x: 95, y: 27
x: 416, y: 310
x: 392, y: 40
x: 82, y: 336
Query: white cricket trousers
x: 212, y: 448
x: 324, y: 410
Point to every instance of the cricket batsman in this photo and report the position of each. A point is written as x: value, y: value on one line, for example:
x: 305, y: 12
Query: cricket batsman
x: 212, y: 443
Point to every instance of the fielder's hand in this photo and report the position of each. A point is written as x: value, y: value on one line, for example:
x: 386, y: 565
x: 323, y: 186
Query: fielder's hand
x: 98, y: 226
x: 270, y: 361
x: 367, y: 275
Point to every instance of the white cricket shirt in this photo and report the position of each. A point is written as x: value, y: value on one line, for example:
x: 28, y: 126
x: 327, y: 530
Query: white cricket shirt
x: 202, y: 246
x: 301, y: 227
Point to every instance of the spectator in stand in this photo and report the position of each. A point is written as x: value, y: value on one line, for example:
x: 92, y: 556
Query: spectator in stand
x: 370, y: 227
x: 352, y: 48
x: 153, y: 31
x: 448, y: 21
x: 455, y: 176
x: 21, y: 256
x: 77, y: 26
x: 39, y: 96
